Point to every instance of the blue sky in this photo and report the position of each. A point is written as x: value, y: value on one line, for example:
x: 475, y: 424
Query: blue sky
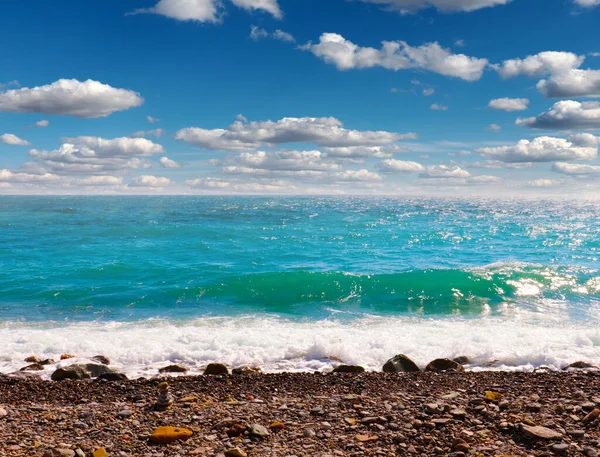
x: 451, y: 97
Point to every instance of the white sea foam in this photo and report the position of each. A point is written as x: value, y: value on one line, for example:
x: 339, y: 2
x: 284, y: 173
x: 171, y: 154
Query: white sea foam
x: 140, y: 348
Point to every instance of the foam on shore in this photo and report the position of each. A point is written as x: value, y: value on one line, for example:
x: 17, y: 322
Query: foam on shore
x: 276, y: 344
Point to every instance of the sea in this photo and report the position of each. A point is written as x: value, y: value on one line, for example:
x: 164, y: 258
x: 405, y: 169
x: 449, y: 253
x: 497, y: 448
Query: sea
x: 298, y: 283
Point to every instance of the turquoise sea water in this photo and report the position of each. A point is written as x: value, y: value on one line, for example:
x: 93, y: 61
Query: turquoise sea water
x: 318, y: 266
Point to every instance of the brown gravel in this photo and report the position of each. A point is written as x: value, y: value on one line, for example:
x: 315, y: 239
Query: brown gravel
x: 367, y: 414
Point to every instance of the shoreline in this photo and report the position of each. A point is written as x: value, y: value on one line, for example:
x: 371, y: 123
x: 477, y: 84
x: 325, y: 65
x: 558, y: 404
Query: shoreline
x: 427, y: 413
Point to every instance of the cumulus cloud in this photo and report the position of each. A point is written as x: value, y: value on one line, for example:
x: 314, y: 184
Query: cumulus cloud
x: 542, y: 183
x: 206, y: 10
x: 571, y: 83
x: 301, y: 163
x: 493, y: 128
x: 544, y: 63
x: 437, y: 107
x: 364, y: 152
x: 333, y: 48
x: 165, y: 162
x: 587, y: 3
x: 445, y: 171
x: 283, y: 36
x: 576, y: 169
x: 411, y: 6
x: 566, y: 115
x: 104, y: 180
x: 565, y: 78
x: 94, y: 155
x: 152, y: 120
x: 248, y: 136
x: 70, y: 97
x: 428, y: 92
x: 20, y: 177
x: 150, y: 181
x: 217, y: 185
x: 356, y: 175
x: 495, y: 164
x: 509, y: 104
x: 400, y: 166
x: 43, y: 123
x: 13, y: 140
x: 545, y: 149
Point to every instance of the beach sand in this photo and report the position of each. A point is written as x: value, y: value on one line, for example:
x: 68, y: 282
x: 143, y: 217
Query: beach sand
x: 305, y: 414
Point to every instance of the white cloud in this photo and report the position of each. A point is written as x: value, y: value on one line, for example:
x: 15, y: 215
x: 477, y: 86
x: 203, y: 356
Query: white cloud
x: 571, y: 83
x: 256, y: 33
x: 96, y: 155
x: 186, y: 10
x: 70, y: 97
x: 542, y: 183
x: 437, y: 107
x: 150, y: 181
x: 19, y: 177
x: 493, y: 128
x: 269, y: 6
x: 544, y: 63
x: 587, y: 3
x: 545, y: 149
x: 495, y: 164
x: 13, y: 140
x: 400, y: 166
x: 249, y: 136
x: 165, y: 162
x: 428, y: 92
x: 206, y: 10
x: 445, y: 171
x: 566, y: 115
x: 411, y: 6
x: 357, y: 175
x: 396, y: 55
x: 144, y: 133
x: 509, y: 104
x: 283, y: 36
x: 217, y: 185
x: 42, y: 123
x: 302, y: 163
x: 103, y: 180
x: 364, y: 152
x: 152, y: 120
x: 576, y: 169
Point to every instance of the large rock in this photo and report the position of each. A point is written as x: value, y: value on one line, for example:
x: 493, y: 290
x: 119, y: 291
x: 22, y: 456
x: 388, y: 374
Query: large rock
x: 216, y: 369
x: 579, y: 366
x: 101, y: 359
x: 81, y: 371
x: 33, y: 359
x: 33, y: 367
x: 444, y: 365
x: 71, y: 372
x: 249, y: 371
x: 399, y: 364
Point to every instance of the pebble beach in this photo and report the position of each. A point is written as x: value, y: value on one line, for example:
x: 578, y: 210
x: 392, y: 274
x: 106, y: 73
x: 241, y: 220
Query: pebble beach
x: 305, y: 414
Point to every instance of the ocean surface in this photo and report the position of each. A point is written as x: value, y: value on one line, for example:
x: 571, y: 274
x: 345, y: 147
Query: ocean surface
x: 296, y: 284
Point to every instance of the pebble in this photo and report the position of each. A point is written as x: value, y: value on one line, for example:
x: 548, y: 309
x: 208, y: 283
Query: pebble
x: 259, y: 431
x: 235, y: 452
x: 560, y: 448
x: 3, y: 413
x: 124, y: 413
x: 309, y: 433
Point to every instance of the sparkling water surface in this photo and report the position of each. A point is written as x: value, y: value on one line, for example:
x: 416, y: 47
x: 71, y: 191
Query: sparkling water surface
x: 302, y: 267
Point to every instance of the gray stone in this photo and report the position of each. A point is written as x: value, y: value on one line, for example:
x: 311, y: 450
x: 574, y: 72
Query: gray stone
x: 173, y: 369
x: 540, y: 432
x: 259, y: 431
x: 71, y: 372
x: 101, y: 359
x: 560, y: 448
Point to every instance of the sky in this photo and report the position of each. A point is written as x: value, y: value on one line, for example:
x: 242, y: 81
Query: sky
x: 333, y: 97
